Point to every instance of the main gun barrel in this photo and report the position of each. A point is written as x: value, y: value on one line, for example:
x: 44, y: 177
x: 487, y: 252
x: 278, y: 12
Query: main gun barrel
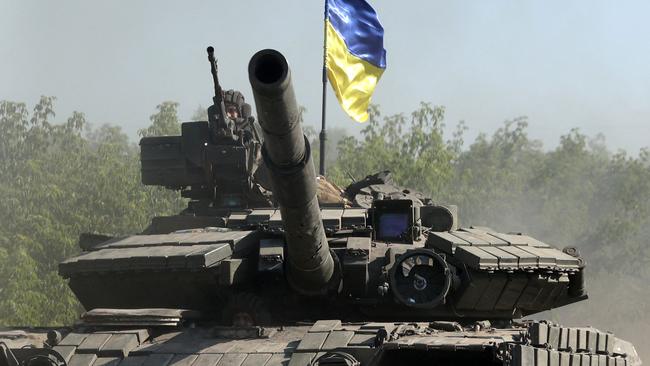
x: 287, y: 154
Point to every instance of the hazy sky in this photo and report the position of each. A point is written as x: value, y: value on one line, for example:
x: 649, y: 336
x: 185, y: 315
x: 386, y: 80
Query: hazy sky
x: 564, y: 64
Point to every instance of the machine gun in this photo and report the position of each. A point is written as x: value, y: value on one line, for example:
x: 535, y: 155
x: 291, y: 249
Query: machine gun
x: 221, y: 127
x: 211, y: 162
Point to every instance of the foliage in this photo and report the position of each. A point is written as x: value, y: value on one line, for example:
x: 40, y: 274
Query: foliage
x: 405, y: 144
x: 164, y: 121
x: 57, y: 181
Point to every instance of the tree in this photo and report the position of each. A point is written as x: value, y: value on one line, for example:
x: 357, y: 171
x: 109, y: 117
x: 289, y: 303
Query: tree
x: 413, y: 148
x: 164, y: 121
x: 57, y: 181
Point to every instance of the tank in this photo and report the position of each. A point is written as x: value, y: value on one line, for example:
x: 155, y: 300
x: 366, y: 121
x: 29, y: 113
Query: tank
x: 258, y: 271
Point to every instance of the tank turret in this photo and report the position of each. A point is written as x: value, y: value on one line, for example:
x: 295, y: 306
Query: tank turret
x: 287, y: 155
x: 382, y: 253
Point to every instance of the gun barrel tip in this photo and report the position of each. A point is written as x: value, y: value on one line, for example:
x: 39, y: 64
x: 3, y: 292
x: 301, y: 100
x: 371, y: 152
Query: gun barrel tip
x: 210, y: 50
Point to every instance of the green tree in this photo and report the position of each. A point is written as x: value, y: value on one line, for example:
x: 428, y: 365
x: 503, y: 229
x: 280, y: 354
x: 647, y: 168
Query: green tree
x: 412, y: 147
x: 164, y: 121
x: 58, y: 181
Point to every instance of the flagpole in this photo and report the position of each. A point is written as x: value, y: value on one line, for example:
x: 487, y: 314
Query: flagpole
x: 323, y: 133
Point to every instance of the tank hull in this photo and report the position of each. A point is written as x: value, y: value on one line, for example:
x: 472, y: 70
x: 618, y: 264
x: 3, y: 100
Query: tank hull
x: 327, y: 341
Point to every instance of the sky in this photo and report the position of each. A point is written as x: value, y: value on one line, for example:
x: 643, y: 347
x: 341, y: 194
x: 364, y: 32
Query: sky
x: 563, y: 64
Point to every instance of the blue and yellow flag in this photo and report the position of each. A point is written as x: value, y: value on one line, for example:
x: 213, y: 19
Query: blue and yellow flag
x: 355, y: 55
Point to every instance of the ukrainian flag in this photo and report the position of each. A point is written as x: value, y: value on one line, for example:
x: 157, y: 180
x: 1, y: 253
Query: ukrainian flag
x: 355, y: 55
